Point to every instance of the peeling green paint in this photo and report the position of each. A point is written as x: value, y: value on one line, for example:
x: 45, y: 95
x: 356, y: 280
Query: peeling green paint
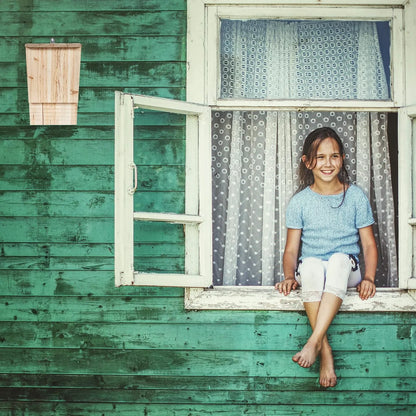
x: 71, y: 343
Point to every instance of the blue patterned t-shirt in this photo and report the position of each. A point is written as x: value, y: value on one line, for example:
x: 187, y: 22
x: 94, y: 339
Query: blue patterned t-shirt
x: 328, y: 226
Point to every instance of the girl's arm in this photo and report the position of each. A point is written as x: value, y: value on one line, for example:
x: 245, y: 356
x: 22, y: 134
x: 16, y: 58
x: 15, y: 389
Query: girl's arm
x: 290, y: 259
x: 367, y: 288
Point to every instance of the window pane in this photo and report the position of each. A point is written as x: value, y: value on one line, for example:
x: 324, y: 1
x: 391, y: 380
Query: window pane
x: 159, y: 153
x: 305, y: 59
x: 159, y: 247
x: 255, y: 161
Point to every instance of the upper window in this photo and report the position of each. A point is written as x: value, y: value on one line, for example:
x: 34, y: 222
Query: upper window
x: 305, y: 59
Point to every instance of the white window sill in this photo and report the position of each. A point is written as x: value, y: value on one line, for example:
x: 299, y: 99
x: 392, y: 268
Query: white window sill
x: 267, y: 298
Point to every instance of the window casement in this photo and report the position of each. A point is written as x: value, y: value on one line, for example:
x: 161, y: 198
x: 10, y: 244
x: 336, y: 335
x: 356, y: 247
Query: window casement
x: 204, y: 88
x: 196, y: 220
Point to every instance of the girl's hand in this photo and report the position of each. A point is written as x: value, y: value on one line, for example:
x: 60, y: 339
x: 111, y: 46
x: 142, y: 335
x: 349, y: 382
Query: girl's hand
x: 366, y: 289
x: 286, y: 286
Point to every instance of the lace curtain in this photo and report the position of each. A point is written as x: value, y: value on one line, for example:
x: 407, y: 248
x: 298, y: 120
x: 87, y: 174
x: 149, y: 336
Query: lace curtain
x: 256, y: 157
x: 302, y: 59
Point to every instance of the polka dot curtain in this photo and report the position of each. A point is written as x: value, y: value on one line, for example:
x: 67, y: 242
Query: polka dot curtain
x: 302, y: 59
x: 255, y: 161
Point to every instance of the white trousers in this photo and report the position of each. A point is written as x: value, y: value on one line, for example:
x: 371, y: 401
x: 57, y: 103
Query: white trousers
x: 316, y: 276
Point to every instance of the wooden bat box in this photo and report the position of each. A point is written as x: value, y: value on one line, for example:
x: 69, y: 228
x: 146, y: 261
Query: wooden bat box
x: 53, y: 82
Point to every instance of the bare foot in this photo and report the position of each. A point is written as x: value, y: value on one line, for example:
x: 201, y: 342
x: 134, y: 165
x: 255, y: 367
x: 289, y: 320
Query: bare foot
x: 327, y: 377
x: 307, y: 356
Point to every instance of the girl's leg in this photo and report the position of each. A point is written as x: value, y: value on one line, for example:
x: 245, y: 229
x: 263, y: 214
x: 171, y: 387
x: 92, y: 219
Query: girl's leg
x: 337, y: 273
x: 327, y: 376
x: 312, y: 280
x: 328, y: 308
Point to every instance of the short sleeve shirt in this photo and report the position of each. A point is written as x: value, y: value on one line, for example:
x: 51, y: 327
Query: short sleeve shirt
x: 329, y: 225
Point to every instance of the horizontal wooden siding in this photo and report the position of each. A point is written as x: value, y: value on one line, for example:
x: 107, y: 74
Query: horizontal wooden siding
x: 73, y: 344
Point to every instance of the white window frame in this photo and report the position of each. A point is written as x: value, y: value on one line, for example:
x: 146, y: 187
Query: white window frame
x: 411, y: 119
x: 197, y: 218
x: 203, y: 87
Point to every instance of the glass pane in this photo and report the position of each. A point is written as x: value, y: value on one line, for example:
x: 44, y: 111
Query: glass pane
x: 255, y: 165
x: 305, y: 59
x: 159, y: 153
x: 159, y: 247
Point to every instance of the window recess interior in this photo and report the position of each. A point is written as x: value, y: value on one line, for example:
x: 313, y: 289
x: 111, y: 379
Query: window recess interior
x: 134, y: 228
x: 207, y: 89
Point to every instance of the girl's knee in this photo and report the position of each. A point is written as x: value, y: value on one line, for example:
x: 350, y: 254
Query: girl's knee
x: 337, y: 275
x: 340, y: 260
x: 312, y: 265
x: 311, y: 270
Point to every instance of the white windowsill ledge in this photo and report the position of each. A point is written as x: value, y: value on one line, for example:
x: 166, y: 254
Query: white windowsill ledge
x: 267, y: 298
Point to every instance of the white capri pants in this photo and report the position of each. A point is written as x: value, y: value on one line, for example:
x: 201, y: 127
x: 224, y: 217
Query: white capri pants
x: 316, y: 276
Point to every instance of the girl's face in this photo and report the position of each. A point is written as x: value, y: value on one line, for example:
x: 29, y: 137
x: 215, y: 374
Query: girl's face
x: 327, y: 163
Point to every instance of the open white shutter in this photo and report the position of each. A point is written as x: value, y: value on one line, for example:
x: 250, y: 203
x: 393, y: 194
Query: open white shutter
x: 197, y: 217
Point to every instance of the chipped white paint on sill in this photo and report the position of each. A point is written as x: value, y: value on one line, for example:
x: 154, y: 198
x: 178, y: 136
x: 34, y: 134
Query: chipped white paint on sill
x: 267, y: 298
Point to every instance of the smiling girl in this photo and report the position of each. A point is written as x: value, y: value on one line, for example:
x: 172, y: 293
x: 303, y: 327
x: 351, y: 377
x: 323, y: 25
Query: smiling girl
x: 326, y: 220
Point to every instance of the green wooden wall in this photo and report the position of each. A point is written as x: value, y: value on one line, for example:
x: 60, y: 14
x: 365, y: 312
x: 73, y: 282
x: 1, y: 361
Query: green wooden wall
x: 73, y: 344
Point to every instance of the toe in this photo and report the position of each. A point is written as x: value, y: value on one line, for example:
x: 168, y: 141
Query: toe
x: 323, y: 382
x: 296, y: 357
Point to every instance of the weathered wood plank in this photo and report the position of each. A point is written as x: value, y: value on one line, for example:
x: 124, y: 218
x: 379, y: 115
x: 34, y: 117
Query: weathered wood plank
x: 130, y: 74
x: 211, y: 337
x: 102, y: 5
x: 78, y: 204
x: 117, y: 382
x: 88, y: 152
x: 109, y: 74
x: 26, y: 408
x: 84, y: 119
x: 38, y: 177
x: 15, y: 100
x: 137, y: 48
x: 156, y: 264
x: 99, y: 23
x: 206, y: 396
x: 102, y: 119
x: 116, y: 308
x: 77, y: 230
x: 153, y: 129
x: 199, y: 363
x: 121, y: 306
x: 72, y: 283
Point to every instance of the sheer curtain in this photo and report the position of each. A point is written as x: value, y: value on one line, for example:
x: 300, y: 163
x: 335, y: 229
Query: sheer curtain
x: 302, y: 59
x: 256, y: 154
